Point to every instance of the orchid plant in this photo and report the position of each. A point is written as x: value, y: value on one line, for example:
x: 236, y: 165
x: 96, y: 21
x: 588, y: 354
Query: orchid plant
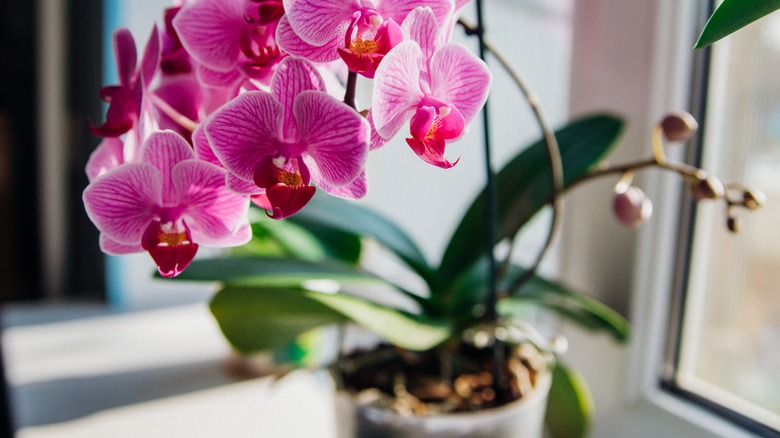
x: 239, y: 111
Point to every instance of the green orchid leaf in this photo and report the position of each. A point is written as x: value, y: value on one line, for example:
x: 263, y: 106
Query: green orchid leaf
x: 574, y: 306
x: 569, y: 404
x: 262, y: 318
x: 272, y: 270
x: 331, y: 213
x: 733, y: 15
x: 524, y: 187
x: 400, y: 328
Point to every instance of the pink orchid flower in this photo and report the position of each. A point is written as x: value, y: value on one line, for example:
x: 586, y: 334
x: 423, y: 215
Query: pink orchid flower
x: 438, y: 88
x: 126, y: 99
x: 361, y: 32
x: 296, y: 134
x: 231, y: 40
x: 166, y: 204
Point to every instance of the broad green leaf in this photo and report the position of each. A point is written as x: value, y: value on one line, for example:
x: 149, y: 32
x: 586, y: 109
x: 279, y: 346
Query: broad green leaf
x: 523, y: 187
x: 733, y: 15
x: 271, y: 270
x: 337, y: 214
x: 569, y: 404
x: 281, y: 238
x: 574, y: 306
x: 397, y: 327
x: 262, y: 319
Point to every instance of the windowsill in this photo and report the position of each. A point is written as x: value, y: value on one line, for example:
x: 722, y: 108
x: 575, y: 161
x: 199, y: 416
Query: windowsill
x: 152, y: 373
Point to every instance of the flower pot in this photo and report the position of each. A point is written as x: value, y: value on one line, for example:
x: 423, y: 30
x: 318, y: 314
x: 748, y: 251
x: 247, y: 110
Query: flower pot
x: 522, y: 418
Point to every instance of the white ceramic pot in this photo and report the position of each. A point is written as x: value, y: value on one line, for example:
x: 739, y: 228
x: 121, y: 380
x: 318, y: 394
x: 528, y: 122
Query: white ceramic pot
x: 521, y: 419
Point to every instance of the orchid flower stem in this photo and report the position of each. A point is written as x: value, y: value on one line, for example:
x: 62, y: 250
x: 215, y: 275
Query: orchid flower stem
x: 556, y: 164
x: 349, y: 93
x: 183, y: 121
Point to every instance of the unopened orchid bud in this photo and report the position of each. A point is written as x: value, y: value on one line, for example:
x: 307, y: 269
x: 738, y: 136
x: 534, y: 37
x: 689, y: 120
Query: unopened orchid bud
x: 734, y: 224
x: 707, y: 188
x: 631, y: 206
x: 679, y: 126
x: 753, y: 199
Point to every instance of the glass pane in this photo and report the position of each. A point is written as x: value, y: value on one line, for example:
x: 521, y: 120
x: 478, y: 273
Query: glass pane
x: 730, y: 349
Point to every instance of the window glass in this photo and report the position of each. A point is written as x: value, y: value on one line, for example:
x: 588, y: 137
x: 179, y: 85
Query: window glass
x: 730, y: 345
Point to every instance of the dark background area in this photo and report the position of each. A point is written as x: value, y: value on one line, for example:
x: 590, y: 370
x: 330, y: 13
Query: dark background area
x: 21, y: 271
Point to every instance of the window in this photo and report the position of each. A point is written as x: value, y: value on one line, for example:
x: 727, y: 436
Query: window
x: 727, y: 354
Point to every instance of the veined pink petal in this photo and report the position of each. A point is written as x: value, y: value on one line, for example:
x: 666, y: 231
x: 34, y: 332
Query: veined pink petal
x: 163, y: 150
x: 183, y: 93
x: 421, y: 27
x: 126, y: 56
x: 240, y: 237
x: 317, y: 21
x: 210, y: 29
x: 218, y: 79
x: 354, y: 190
x: 151, y: 58
x: 460, y: 78
x: 111, y: 247
x: 242, y: 187
x: 202, y: 148
x: 376, y: 140
x: 107, y: 156
x: 290, y: 42
x: 293, y: 75
x: 212, y: 212
x: 121, y: 202
x: 399, y: 9
x: 244, y: 131
x: 336, y: 137
x: 397, y: 88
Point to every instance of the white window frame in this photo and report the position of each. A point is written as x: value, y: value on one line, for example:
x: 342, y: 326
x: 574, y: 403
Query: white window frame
x: 634, y: 58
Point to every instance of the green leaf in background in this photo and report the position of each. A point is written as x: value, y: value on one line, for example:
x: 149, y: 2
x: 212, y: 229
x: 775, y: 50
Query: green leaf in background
x: 733, y: 15
x: 569, y: 404
x: 330, y: 212
x: 524, y: 187
x: 399, y: 328
x: 571, y: 305
x: 264, y: 318
x: 271, y: 270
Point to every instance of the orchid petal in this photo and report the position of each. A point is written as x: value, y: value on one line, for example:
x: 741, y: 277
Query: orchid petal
x: 354, y: 190
x: 460, y: 78
x: 376, y: 140
x: 397, y: 88
x: 293, y: 75
x: 202, y: 148
x: 244, y: 131
x: 107, y: 156
x: 399, y: 9
x: 183, y: 94
x: 291, y: 42
x: 240, y: 186
x: 431, y: 150
x: 121, y: 202
x: 336, y: 136
x: 210, y: 30
x: 317, y: 22
x: 240, y: 237
x: 163, y: 150
x: 421, y: 27
x: 218, y: 79
x: 126, y: 56
x: 212, y: 212
x: 151, y: 57
x: 112, y: 247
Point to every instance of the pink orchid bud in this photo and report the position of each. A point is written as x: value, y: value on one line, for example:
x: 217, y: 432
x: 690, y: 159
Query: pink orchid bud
x: 679, y: 126
x: 631, y: 206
